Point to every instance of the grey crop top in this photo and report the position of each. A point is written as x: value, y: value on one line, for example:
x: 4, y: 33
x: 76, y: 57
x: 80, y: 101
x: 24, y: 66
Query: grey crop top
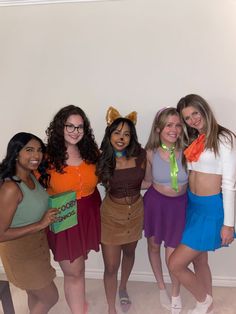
x: 161, y: 170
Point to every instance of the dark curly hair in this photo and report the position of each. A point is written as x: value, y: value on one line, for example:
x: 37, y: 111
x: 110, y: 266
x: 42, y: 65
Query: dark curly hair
x: 15, y: 145
x: 56, y: 148
x: 107, y: 161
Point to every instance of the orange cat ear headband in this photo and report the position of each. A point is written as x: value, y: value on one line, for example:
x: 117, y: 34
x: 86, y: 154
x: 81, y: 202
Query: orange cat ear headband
x: 113, y: 114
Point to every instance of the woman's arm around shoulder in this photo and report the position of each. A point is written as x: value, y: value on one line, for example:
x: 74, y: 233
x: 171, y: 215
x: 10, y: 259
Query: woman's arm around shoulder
x: 10, y: 198
x: 147, y: 181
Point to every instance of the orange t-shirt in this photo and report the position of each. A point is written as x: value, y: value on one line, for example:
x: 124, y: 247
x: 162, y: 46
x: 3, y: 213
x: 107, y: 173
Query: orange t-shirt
x: 81, y: 179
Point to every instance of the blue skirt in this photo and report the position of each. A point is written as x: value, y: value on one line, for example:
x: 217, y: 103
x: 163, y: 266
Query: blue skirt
x: 205, y: 216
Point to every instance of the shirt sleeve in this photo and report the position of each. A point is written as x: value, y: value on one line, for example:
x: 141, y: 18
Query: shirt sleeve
x: 228, y: 158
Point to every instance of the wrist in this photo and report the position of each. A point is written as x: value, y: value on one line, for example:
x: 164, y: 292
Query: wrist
x: 228, y: 227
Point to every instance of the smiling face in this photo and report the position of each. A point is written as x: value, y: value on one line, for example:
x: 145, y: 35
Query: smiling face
x: 171, y: 131
x: 120, y: 137
x: 30, y: 156
x: 73, y: 130
x: 193, y: 118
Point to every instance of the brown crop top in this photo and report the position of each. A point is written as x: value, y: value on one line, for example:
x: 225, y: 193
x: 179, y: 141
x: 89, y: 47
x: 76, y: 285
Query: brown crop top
x: 127, y: 182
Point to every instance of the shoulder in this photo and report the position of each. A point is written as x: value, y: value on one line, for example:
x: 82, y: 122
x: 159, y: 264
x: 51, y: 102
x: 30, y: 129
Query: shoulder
x: 227, y: 141
x: 10, y: 189
x: 150, y: 154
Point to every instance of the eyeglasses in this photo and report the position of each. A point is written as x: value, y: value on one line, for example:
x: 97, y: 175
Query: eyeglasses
x: 70, y: 128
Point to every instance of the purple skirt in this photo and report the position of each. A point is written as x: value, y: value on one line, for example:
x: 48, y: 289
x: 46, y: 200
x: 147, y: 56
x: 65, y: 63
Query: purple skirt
x: 164, y: 217
x: 85, y: 236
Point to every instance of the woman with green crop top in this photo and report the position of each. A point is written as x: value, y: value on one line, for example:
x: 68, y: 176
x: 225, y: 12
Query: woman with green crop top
x: 24, y: 215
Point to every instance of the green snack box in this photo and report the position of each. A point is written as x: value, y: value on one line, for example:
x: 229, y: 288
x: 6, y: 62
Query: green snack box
x: 67, y: 215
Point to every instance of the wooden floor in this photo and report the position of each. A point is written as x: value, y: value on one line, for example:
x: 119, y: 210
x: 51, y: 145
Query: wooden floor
x: 144, y: 296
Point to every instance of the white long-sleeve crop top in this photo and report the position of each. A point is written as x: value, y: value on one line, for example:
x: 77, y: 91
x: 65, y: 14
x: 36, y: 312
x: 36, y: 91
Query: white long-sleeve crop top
x: 223, y: 164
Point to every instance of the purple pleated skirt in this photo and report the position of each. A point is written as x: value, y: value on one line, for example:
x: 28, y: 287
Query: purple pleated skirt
x: 164, y: 217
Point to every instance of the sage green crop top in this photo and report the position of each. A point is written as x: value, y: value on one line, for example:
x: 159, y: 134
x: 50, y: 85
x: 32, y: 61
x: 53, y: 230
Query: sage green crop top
x: 33, y: 205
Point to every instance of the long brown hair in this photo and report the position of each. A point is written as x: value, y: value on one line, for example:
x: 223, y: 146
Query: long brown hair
x: 213, y: 129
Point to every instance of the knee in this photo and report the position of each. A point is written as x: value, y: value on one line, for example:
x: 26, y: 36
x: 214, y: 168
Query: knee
x: 153, y: 248
x: 111, y: 269
x: 75, y: 274
x: 200, y: 261
x: 173, y: 266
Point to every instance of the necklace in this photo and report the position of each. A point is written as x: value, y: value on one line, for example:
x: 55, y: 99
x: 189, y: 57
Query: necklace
x: 119, y: 154
x: 173, y: 166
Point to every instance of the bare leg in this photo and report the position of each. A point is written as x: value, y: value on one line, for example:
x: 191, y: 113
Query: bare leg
x: 42, y: 300
x: 111, y: 256
x: 127, y: 263
x: 202, y: 271
x: 178, y: 265
x: 155, y: 261
x: 176, y: 302
x: 32, y: 300
x: 74, y: 284
x: 175, y: 288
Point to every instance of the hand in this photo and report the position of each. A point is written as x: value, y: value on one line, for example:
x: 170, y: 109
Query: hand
x: 227, y: 235
x: 49, y: 217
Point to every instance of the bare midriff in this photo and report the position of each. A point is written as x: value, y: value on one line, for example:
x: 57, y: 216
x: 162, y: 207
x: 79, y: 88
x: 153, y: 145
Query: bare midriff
x: 168, y: 191
x: 204, y: 184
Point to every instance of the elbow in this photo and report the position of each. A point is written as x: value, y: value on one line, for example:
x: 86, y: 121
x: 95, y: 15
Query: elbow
x: 3, y: 234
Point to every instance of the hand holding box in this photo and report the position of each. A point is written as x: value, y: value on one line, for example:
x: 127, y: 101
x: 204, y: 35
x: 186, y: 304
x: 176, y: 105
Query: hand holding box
x: 67, y: 211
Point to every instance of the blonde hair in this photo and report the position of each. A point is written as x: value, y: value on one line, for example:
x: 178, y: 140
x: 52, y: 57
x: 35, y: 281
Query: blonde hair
x: 159, y: 122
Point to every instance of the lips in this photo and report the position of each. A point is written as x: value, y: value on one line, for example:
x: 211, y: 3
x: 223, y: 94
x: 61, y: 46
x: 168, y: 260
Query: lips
x: 198, y: 124
x: 34, y: 161
x: 74, y: 137
x: 173, y: 136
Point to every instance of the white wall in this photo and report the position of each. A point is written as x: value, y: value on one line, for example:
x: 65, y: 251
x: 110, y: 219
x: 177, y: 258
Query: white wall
x: 134, y: 54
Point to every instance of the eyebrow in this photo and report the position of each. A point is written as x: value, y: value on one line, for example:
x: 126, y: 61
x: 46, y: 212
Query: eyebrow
x: 33, y: 147
x: 70, y: 123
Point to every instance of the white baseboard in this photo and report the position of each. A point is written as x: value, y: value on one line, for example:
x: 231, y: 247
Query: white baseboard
x: 218, y: 281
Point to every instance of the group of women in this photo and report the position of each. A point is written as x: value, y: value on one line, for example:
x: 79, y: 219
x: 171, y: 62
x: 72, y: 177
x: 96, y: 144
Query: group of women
x: 188, y: 167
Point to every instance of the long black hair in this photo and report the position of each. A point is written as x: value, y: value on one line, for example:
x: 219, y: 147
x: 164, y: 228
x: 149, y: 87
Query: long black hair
x: 107, y: 161
x: 15, y: 145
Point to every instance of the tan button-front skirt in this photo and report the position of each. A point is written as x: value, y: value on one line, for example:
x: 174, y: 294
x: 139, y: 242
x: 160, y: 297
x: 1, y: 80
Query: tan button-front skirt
x: 121, y: 224
x: 27, y: 261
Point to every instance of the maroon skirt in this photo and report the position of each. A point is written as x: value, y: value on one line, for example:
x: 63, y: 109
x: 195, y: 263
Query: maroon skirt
x: 85, y: 236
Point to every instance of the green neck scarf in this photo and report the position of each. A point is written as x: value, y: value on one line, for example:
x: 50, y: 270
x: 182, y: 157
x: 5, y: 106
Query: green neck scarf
x: 173, y: 166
